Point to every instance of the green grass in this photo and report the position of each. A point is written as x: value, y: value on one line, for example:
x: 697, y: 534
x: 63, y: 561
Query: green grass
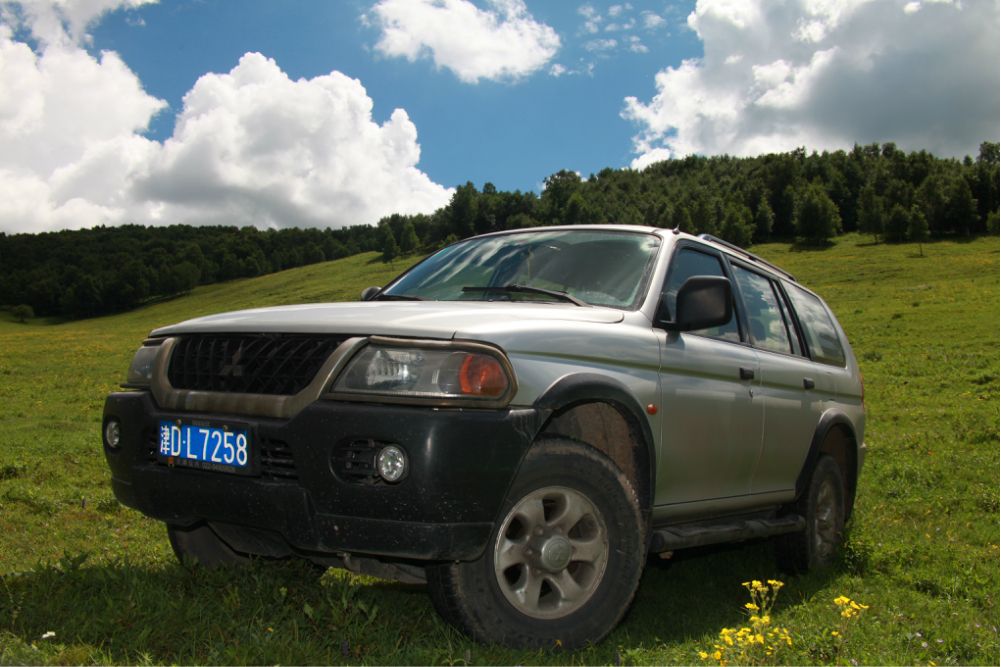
x: 922, y: 548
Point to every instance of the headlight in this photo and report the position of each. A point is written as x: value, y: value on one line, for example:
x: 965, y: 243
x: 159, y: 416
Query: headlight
x: 441, y: 373
x: 141, y: 369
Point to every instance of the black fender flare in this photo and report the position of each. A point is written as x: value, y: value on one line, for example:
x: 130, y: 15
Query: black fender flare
x: 830, y: 419
x: 579, y: 388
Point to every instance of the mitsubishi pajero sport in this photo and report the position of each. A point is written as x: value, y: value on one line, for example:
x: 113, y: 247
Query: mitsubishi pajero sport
x: 518, y: 421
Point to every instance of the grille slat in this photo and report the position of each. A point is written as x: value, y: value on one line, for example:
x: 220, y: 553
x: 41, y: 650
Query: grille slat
x: 275, y: 364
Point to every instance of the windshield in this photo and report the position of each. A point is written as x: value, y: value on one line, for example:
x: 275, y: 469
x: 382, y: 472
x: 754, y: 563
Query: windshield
x: 598, y: 268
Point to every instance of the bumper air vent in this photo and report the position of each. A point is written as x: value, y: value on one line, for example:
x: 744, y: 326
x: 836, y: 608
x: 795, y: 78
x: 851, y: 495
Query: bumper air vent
x: 274, y: 364
x: 355, y: 461
x: 276, y: 460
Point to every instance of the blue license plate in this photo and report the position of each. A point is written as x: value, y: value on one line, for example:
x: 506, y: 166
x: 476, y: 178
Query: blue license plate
x: 224, y: 448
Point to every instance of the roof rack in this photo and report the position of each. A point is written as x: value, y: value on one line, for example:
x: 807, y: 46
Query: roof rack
x: 749, y: 255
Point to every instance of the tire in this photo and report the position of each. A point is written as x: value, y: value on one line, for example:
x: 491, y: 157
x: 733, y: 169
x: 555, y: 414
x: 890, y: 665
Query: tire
x: 823, y: 506
x: 563, y: 562
x: 200, y: 544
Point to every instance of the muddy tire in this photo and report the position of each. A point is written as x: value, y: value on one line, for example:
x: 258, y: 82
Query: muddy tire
x: 563, y: 561
x: 823, y: 506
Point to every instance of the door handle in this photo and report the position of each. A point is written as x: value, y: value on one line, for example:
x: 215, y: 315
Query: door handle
x: 808, y: 383
x: 746, y: 373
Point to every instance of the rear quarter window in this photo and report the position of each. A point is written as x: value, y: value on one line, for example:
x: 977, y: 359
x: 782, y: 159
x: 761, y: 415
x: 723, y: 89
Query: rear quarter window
x: 818, y: 328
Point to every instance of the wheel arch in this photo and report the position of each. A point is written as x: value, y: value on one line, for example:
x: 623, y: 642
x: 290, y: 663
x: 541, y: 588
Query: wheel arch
x: 834, y: 436
x: 598, y: 411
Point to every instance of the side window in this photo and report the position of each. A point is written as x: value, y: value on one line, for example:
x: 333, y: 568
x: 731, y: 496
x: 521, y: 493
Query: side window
x: 686, y: 263
x: 764, y: 314
x: 797, y: 344
x: 818, y: 328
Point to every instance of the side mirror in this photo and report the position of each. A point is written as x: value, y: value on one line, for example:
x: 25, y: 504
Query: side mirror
x: 703, y: 302
x: 370, y: 293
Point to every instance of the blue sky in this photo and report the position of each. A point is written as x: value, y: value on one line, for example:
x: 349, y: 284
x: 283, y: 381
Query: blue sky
x: 332, y: 113
x: 510, y: 133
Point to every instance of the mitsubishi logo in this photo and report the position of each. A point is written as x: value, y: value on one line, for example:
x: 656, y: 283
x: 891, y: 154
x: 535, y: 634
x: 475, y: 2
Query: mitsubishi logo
x: 233, y: 369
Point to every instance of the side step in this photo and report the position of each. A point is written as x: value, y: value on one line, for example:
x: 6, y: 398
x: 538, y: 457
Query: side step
x: 700, y: 534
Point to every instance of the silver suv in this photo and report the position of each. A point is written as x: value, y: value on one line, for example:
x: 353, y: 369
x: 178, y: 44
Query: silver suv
x: 518, y: 421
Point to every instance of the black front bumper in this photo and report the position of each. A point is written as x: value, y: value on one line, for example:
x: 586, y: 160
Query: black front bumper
x: 461, y: 465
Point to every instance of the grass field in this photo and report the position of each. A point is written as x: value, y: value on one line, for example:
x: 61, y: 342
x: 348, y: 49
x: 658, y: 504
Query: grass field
x: 922, y: 549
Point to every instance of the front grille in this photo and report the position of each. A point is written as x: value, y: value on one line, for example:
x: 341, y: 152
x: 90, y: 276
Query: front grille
x: 276, y: 364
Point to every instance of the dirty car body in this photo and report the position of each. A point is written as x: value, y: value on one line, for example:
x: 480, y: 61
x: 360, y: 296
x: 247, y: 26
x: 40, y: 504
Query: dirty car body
x: 526, y: 413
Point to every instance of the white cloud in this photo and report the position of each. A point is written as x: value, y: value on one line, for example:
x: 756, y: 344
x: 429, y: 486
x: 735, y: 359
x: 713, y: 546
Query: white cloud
x: 777, y: 74
x: 250, y: 146
x: 255, y: 146
x: 635, y: 44
x: 503, y: 42
x: 592, y: 19
x: 61, y: 21
x: 70, y: 127
x: 621, y: 27
x: 652, y: 21
x: 598, y: 45
x: 620, y: 24
x: 617, y: 10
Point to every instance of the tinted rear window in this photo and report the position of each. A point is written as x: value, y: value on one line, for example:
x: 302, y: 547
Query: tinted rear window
x: 818, y: 327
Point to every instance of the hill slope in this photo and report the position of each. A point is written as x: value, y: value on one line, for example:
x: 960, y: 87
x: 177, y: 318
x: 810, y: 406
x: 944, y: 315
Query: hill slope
x: 922, y: 550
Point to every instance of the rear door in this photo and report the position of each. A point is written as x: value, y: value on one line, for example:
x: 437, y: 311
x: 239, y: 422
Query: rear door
x: 795, y: 390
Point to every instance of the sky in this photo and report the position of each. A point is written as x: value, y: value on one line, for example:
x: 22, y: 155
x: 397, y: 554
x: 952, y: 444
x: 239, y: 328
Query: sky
x: 328, y: 113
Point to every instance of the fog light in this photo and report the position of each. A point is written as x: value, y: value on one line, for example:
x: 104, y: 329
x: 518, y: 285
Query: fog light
x: 392, y: 463
x: 113, y: 433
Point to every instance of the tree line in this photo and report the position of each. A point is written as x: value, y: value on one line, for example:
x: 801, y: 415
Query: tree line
x: 82, y: 273
x: 795, y: 196
x: 874, y: 189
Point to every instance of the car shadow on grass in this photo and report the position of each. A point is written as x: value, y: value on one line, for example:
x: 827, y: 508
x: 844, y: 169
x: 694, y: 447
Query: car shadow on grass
x: 285, y: 612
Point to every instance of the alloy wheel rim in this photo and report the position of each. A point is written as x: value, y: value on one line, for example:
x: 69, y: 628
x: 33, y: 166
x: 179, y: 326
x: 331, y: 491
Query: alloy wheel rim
x: 551, y: 552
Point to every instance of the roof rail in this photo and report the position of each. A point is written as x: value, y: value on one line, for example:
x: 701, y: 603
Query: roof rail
x: 749, y: 255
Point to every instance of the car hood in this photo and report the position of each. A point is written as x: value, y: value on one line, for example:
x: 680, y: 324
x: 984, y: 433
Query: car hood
x: 434, y: 319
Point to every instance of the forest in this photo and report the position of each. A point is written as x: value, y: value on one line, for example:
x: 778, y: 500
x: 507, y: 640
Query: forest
x: 807, y: 198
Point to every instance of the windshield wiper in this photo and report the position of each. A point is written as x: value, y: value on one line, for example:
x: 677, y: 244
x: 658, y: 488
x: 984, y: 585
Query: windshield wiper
x: 527, y: 289
x: 397, y: 297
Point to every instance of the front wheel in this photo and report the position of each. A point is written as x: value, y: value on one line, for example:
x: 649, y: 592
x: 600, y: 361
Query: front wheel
x: 563, y: 562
